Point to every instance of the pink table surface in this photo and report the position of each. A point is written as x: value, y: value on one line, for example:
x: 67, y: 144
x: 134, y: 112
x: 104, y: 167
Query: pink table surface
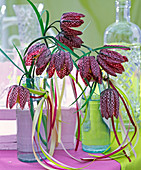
x: 9, y: 161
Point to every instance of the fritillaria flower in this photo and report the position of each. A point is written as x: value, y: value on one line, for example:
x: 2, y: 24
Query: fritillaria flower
x: 70, y: 41
x: 71, y: 19
x: 18, y: 94
x: 111, y: 61
x: 40, y: 55
x: 69, y: 36
x: 89, y: 69
x: 109, y: 103
x: 62, y: 63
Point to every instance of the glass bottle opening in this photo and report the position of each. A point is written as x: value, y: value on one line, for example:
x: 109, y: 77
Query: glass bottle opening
x: 123, y: 3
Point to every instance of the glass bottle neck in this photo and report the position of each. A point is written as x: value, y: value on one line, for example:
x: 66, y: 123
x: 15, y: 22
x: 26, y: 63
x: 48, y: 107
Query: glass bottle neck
x: 122, y: 11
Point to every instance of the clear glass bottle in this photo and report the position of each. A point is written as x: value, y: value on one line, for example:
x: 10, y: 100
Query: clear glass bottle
x: 95, y: 130
x: 124, y: 32
x: 24, y: 128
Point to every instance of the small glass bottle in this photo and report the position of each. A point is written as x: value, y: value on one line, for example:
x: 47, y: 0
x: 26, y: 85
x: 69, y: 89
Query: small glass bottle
x: 95, y: 130
x: 124, y: 32
x: 24, y: 127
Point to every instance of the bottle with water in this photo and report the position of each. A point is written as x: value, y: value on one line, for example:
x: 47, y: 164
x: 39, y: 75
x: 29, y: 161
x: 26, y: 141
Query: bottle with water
x: 124, y: 32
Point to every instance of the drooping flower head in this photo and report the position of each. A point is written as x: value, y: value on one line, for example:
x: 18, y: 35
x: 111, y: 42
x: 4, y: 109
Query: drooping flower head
x: 18, y: 94
x: 109, y: 103
x: 89, y: 69
x: 110, y: 61
x: 62, y: 63
x: 71, y: 19
x: 69, y: 36
x: 40, y: 55
x: 70, y: 41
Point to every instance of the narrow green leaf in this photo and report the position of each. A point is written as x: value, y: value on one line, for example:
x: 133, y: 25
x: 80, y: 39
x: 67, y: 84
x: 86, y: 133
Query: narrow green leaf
x: 75, y: 64
x: 79, y: 96
x: 23, y: 63
x: 34, y: 91
x: 54, y: 50
x: 71, y: 76
x: 91, y: 93
x: 31, y: 67
x: 47, y: 21
x: 52, y: 89
x: 38, y: 16
x: 10, y: 60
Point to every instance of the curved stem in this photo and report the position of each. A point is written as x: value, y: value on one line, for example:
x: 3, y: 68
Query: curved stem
x: 55, y: 28
x: 114, y: 129
x: 22, y: 78
x: 86, y: 47
x: 50, y: 27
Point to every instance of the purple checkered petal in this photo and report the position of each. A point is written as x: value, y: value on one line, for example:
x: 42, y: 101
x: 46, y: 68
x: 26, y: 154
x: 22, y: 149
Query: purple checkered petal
x: 44, y: 57
x: 116, y: 107
x: 103, y: 104
x: 95, y: 69
x: 69, y: 40
x: 13, y: 97
x: 68, y: 63
x: 51, y: 67
x: 114, y: 55
x: 8, y: 95
x: 110, y: 102
x: 62, y: 73
x: 23, y: 96
x: 59, y: 60
x: 72, y: 15
x: 105, y: 66
x: 69, y: 31
x: 71, y: 23
x: 33, y: 51
x: 84, y: 66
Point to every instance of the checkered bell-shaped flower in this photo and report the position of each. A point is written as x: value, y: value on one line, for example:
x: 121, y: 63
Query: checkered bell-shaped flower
x: 62, y: 63
x: 109, y: 103
x: 70, y: 41
x: 89, y: 70
x: 18, y: 94
x: 40, y: 55
x: 71, y: 19
x: 110, y: 61
x: 69, y: 36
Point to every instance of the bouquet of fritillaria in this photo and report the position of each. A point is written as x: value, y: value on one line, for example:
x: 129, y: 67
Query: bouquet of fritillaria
x: 95, y: 66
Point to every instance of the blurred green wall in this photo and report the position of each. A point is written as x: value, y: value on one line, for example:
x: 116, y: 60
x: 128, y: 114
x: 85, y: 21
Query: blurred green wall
x: 99, y: 14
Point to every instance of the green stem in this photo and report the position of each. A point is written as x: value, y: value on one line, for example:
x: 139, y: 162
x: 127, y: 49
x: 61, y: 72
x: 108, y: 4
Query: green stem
x: 32, y: 109
x: 86, y: 47
x: 99, y: 48
x: 49, y: 27
x: 23, y: 63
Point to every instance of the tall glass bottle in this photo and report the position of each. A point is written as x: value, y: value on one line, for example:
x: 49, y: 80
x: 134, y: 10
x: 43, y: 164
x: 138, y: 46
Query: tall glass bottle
x: 95, y: 130
x: 124, y: 32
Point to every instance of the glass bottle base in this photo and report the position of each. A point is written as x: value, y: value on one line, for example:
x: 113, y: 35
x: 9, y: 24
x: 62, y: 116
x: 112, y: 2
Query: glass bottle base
x: 95, y: 148
x: 29, y: 157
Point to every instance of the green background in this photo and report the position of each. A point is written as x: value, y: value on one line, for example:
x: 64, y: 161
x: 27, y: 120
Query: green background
x: 98, y: 15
